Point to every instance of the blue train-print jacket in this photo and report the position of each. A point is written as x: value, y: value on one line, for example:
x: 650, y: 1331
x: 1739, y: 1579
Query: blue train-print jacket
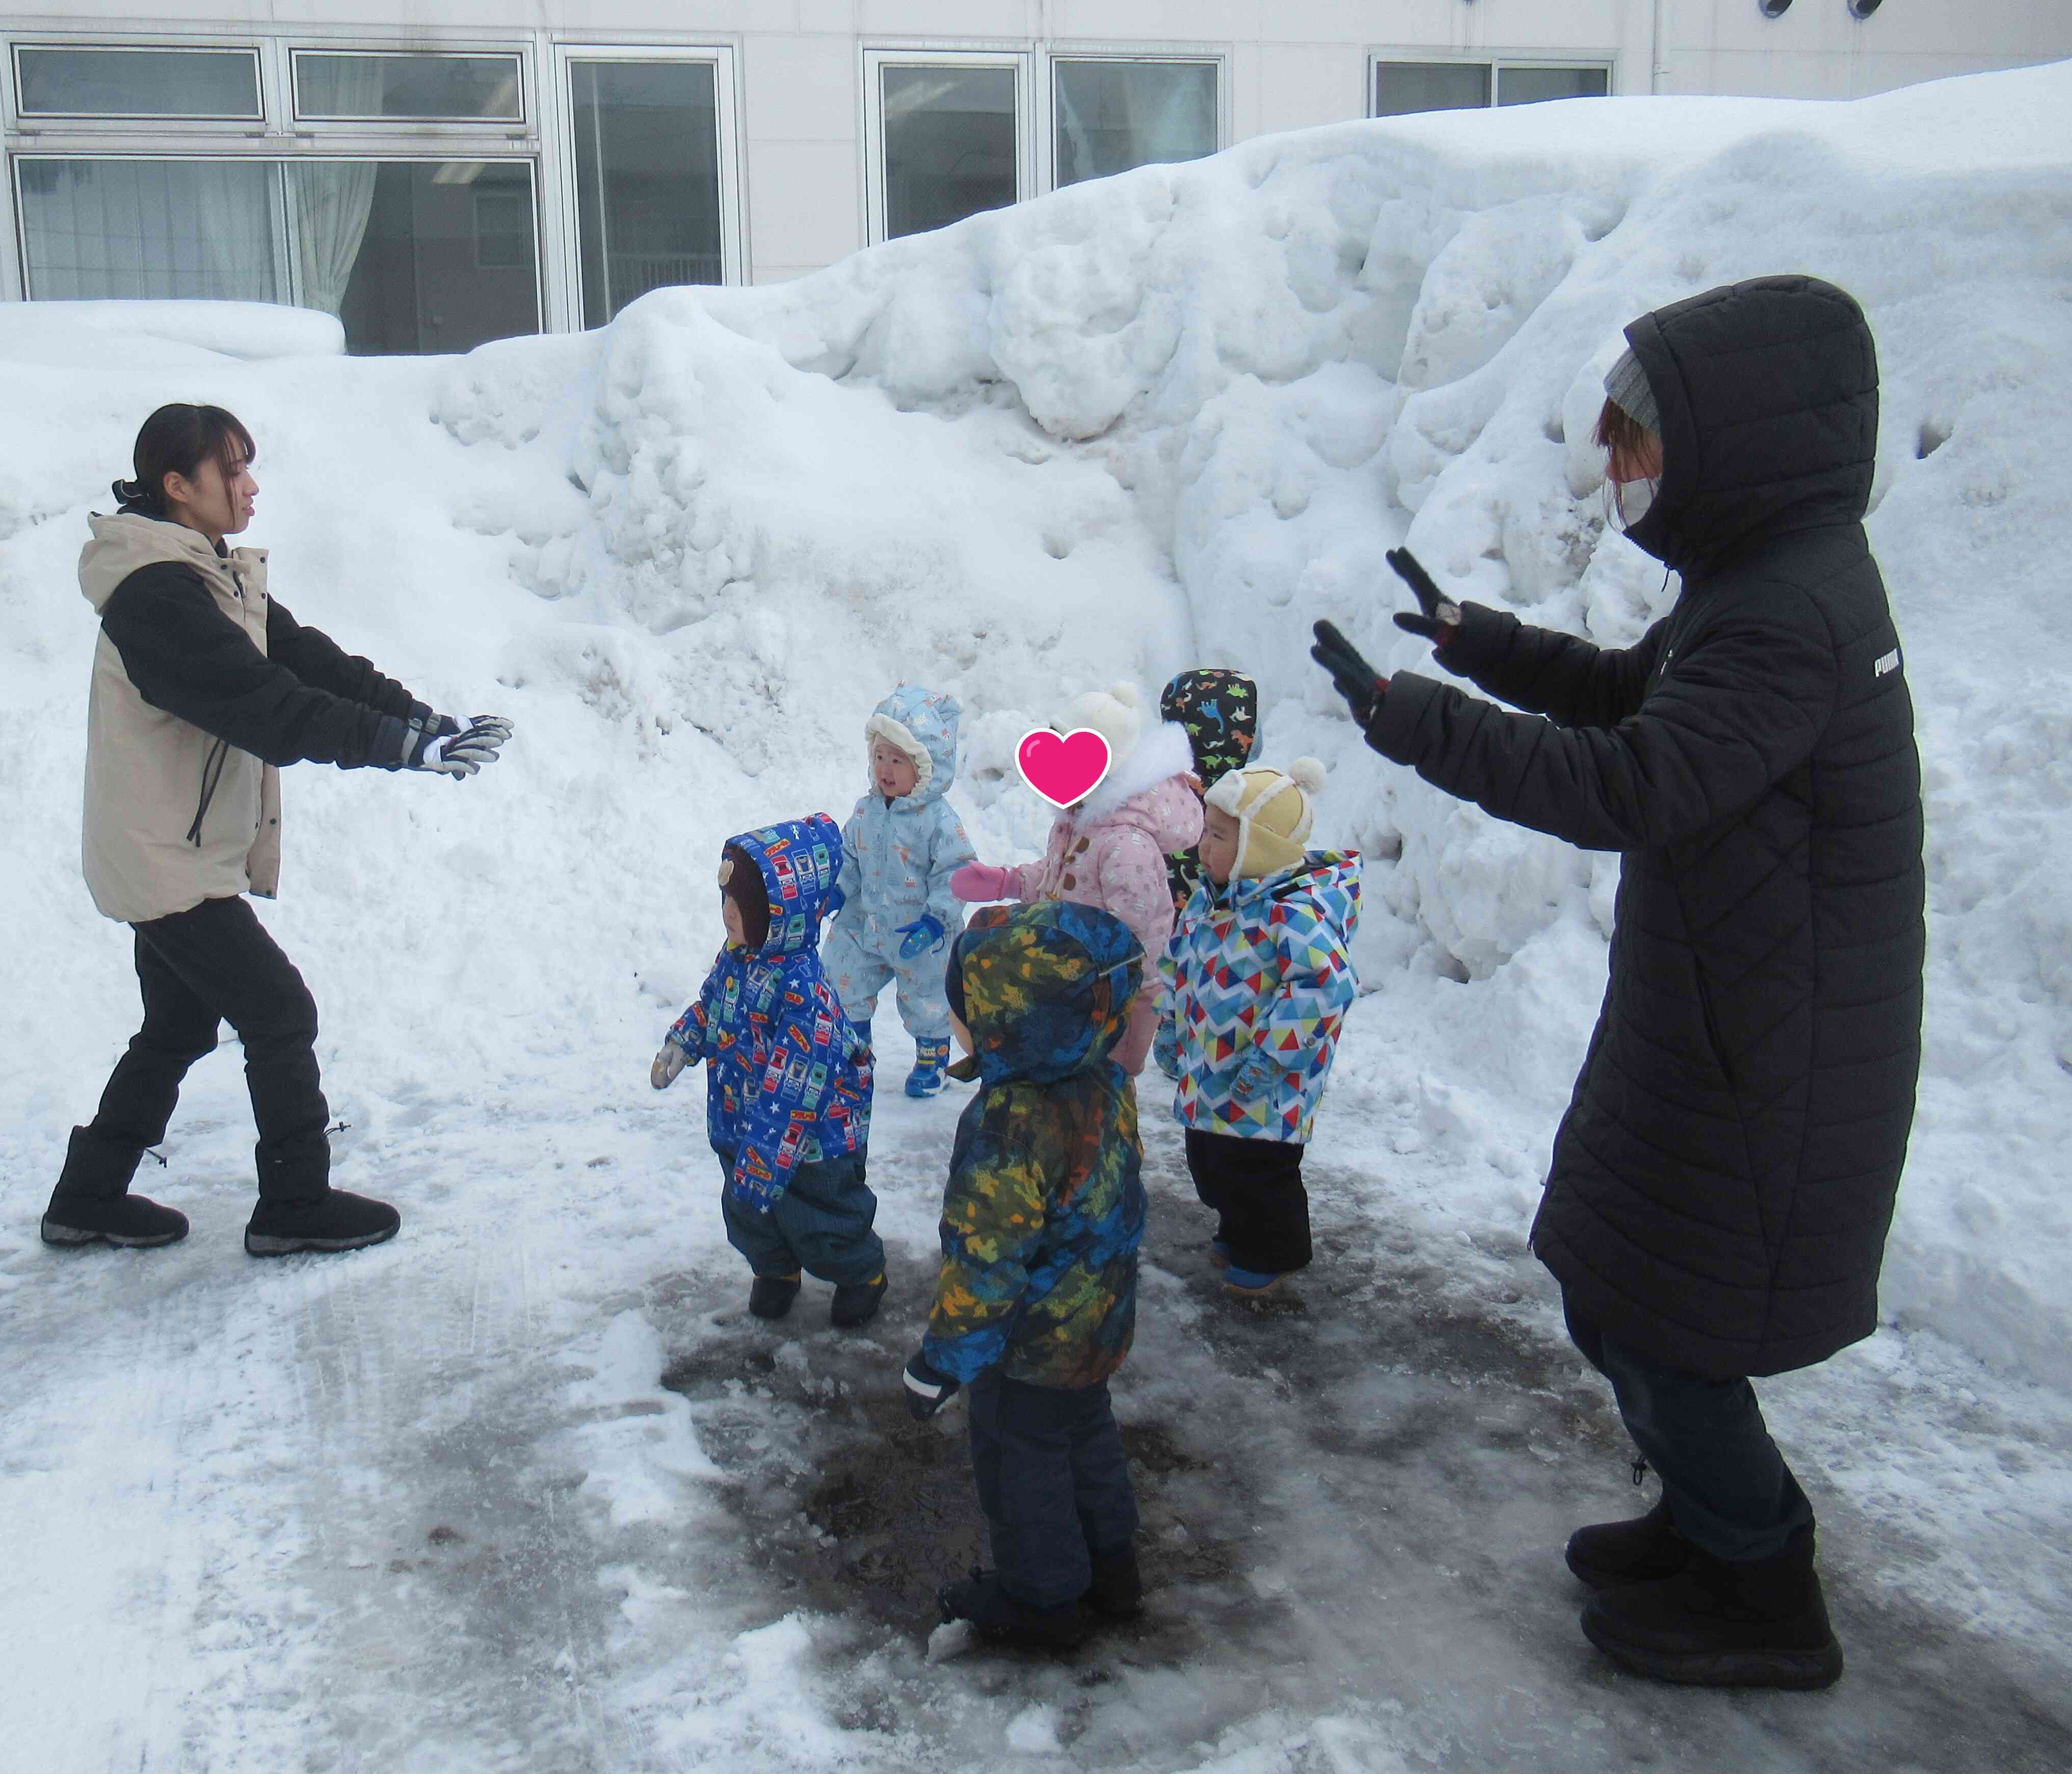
x: 787, y: 1081
x: 1045, y: 1206
x: 898, y: 856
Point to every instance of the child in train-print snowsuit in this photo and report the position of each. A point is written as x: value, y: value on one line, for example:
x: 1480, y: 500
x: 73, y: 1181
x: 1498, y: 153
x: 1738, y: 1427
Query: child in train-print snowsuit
x: 787, y: 1083
x: 897, y: 913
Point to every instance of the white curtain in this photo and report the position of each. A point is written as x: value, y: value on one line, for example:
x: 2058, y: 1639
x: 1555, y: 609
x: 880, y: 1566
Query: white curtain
x: 1113, y: 116
x: 333, y: 201
x: 149, y: 228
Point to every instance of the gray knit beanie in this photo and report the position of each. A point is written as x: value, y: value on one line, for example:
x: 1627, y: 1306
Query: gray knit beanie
x: 1626, y: 384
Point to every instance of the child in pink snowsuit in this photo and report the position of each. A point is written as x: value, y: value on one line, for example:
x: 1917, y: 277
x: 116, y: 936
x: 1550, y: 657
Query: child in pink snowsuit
x: 1110, y: 849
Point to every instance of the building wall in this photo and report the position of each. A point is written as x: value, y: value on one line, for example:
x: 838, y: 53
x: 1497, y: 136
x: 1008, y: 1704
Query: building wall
x: 798, y: 66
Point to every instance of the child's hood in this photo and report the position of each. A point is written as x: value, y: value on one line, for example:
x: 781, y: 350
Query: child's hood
x: 1149, y: 789
x: 923, y: 724
x: 800, y: 860
x: 1220, y: 709
x: 1328, y: 881
x: 1047, y: 988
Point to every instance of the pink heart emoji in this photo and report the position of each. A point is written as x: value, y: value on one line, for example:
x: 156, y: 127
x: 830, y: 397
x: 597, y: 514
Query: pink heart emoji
x: 1064, y: 768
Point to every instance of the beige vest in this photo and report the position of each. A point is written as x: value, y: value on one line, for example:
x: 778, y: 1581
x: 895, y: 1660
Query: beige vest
x: 147, y: 772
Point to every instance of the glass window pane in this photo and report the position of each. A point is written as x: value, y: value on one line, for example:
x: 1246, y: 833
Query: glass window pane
x: 455, y: 88
x: 1533, y: 85
x: 950, y: 136
x: 137, y: 82
x: 151, y: 229
x: 1114, y: 115
x: 1401, y: 87
x: 648, y: 209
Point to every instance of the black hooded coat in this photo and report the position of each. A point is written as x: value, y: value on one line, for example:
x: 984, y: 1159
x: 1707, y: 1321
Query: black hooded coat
x: 1723, y: 1180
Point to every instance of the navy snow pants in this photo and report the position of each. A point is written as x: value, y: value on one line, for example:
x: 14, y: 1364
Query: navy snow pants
x: 821, y: 1224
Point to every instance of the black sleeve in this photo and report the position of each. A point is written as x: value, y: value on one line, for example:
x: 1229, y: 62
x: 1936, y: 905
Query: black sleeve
x: 1544, y: 671
x: 186, y: 657
x: 322, y: 664
x: 1746, y: 704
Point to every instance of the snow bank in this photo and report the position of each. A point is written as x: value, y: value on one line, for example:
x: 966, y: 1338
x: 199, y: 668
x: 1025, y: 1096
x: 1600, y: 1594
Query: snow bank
x: 1165, y: 419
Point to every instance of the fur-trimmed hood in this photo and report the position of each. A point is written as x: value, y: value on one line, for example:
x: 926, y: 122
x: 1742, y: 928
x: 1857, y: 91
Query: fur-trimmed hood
x: 1152, y: 790
x: 923, y: 724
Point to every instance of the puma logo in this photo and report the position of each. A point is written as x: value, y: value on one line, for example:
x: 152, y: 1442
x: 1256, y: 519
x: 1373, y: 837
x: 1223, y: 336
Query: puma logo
x: 1889, y: 663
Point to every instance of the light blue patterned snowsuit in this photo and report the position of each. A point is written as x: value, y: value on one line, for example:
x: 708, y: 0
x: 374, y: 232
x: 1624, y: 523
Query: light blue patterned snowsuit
x: 897, y: 860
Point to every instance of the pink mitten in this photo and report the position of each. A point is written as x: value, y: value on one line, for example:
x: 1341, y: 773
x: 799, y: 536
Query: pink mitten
x: 976, y: 882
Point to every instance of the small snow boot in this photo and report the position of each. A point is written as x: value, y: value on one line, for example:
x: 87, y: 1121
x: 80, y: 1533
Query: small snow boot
x: 1220, y: 1253
x: 858, y: 1302
x: 1643, y: 1550
x: 1249, y: 1283
x: 1117, y: 1591
x: 771, y: 1296
x: 334, y: 1220
x: 1758, y: 1623
x: 981, y: 1599
x: 93, y: 1204
x: 930, y: 1057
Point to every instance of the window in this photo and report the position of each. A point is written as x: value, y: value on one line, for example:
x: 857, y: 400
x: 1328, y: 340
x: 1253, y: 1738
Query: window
x: 411, y: 255
x: 1111, y: 115
x: 649, y: 208
x: 1402, y: 87
x: 76, y: 81
x: 360, y: 88
x: 948, y: 140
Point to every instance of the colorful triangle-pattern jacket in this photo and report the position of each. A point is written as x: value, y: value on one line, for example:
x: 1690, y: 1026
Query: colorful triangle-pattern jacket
x: 1260, y: 971
x: 787, y: 1079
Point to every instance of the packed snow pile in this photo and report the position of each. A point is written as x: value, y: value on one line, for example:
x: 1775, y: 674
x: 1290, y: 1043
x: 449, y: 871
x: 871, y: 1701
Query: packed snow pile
x: 1161, y: 420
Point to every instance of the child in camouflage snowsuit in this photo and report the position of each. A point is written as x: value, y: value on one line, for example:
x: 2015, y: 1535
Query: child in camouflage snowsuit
x: 899, y: 848
x: 1036, y: 1301
x: 787, y: 1080
x: 1261, y: 979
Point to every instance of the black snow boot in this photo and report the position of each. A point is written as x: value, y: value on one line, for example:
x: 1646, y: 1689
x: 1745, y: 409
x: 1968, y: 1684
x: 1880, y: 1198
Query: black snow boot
x: 771, y: 1296
x: 856, y: 1303
x: 1643, y: 1550
x: 998, y: 1616
x: 93, y: 1204
x: 1117, y: 1591
x: 334, y: 1220
x: 1759, y: 1622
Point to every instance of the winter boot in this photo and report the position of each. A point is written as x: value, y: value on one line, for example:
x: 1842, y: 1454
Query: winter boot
x: 1220, y: 1253
x: 1117, y: 1591
x: 334, y: 1220
x: 1758, y: 1623
x: 930, y: 1058
x: 93, y: 1204
x: 771, y: 1296
x: 1642, y: 1550
x: 997, y: 1615
x: 858, y: 1302
x: 1249, y: 1283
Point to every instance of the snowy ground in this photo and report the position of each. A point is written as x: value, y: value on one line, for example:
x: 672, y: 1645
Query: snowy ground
x: 525, y: 1489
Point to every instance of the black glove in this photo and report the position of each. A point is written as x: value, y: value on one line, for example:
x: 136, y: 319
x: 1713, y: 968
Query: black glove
x: 927, y: 1390
x: 1441, y: 620
x: 1358, y: 682
x: 442, y: 744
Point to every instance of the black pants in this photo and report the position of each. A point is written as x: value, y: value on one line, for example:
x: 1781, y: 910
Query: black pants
x: 1053, y: 1483
x: 196, y: 970
x: 821, y: 1224
x: 1256, y: 1187
x: 1729, y: 1488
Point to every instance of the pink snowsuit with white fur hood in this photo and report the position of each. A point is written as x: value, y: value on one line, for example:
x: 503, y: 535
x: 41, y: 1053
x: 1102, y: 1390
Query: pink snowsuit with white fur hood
x: 1111, y: 850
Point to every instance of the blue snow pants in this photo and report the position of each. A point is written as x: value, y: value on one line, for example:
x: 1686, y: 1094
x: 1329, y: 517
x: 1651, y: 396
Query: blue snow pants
x: 821, y: 1224
x: 1054, y: 1483
x: 858, y: 976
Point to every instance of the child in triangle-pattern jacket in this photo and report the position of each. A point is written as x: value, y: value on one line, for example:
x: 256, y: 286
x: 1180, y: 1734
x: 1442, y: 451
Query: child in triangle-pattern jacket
x: 896, y: 913
x: 787, y: 1079
x: 1261, y: 979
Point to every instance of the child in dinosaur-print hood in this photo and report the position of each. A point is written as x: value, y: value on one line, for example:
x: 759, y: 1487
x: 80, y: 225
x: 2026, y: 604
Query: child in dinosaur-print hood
x: 788, y: 1082
x: 1219, y: 709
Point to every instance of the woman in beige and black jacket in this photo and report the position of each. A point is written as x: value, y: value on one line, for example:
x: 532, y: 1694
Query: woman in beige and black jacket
x: 203, y: 688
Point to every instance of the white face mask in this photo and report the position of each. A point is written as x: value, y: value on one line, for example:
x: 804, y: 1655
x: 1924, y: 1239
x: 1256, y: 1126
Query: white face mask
x: 1626, y: 502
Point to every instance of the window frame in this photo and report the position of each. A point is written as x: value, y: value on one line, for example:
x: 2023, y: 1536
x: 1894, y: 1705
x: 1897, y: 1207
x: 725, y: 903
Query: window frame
x: 19, y: 121
x: 1029, y: 130
x: 1193, y: 54
x: 1494, y: 59
x: 293, y: 50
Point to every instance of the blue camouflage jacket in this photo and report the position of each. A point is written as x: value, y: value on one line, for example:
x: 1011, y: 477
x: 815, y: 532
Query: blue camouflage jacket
x: 787, y: 1081
x: 898, y: 856
x: 1045, y: 1206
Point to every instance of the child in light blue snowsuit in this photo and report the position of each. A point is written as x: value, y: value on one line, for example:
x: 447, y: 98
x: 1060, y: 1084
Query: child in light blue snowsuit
x: 899, y: 850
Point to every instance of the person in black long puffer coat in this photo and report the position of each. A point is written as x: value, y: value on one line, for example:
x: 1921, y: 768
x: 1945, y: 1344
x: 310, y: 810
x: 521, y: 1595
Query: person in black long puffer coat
x: 1724, y: 1177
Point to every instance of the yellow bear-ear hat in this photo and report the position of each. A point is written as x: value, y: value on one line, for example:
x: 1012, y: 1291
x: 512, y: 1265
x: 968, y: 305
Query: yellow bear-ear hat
x: 1274, y: 810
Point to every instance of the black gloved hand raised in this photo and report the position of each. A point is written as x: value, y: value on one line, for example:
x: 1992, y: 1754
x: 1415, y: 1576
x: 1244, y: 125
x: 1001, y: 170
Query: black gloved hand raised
x: 927, y: 1390
x: 1358, y: 682
x: 1440, y: 620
